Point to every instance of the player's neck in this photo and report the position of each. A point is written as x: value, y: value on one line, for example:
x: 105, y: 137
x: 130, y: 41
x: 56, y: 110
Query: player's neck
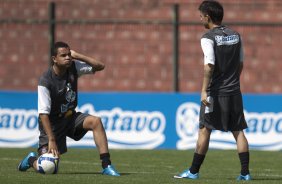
x: 214, y: 25
x: 59, y: 70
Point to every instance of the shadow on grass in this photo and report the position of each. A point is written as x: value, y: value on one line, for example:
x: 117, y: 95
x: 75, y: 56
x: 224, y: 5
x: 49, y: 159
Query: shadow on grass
x: 263, y: 179
x: 268, y: 179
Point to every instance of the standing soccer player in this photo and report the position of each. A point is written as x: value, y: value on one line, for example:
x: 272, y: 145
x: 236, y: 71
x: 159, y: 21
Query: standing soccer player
x: 221, y: 98
x: 57, y: 100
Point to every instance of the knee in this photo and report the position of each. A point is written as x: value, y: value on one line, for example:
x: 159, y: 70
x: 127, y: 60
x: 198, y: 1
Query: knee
x: 204, y: 133
x: 238, y: 134
x: 94, y: 122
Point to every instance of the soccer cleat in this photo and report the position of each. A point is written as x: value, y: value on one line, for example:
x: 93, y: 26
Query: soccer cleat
x: 24, y: 165
x: 187, y: 174
x: 246, y: 177
x: 111, y: 171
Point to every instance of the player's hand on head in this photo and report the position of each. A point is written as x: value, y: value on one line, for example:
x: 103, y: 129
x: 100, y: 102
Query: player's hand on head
x: 73, y: 53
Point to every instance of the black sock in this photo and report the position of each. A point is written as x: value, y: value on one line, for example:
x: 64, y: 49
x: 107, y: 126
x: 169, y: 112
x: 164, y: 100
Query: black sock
x: 31, y: 160
x: 105, y: 157
x: 244, y: 159
x: 196, y: 163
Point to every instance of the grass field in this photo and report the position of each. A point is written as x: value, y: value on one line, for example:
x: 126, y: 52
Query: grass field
x: 82, y: 166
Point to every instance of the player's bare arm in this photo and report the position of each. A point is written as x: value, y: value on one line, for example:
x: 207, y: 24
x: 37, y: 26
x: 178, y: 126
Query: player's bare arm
x: 97, y: 65
x: 208, y: 71
x: 52, y: 146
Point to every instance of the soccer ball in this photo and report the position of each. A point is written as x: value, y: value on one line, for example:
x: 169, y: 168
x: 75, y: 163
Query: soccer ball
x: 47, y: 164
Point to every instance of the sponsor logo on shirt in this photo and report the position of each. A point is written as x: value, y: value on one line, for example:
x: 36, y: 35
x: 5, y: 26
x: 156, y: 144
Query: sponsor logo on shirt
x: 70, y: 97
x: 227, y: 40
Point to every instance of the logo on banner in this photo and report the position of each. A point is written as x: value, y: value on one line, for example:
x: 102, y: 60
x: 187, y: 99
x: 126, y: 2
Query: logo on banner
x: 187, y: 116
x: 18, y: 127
x: 127, y: 129
x: 264, y: 130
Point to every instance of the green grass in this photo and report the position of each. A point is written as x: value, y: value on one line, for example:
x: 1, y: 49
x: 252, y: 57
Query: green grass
x: 82, y: 166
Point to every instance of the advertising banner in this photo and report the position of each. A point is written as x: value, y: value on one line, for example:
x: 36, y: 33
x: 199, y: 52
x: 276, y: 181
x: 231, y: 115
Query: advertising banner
x: 144, y: 120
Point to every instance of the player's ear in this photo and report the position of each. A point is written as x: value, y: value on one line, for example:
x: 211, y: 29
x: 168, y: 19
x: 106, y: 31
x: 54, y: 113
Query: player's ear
x: 208, y: 18
x: 54, y: 59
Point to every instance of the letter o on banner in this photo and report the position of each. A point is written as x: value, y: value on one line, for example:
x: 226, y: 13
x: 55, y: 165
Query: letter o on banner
x: 278, y: 126
x: 31, y: 122
x: 154, y: 124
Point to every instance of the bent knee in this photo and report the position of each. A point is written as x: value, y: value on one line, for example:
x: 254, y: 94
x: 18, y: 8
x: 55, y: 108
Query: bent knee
x: 92, y: 122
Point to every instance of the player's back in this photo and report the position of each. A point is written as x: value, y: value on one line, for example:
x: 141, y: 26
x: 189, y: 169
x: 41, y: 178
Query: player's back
x: 227, y: 46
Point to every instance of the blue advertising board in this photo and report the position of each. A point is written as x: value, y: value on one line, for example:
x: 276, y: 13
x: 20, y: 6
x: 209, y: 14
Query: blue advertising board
x: 144, y: 120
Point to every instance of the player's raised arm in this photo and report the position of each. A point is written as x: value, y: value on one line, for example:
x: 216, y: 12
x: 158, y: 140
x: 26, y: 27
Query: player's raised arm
x: 97, y: 65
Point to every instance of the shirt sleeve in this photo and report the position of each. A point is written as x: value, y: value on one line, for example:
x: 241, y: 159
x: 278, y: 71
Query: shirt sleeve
x: 208, y: 50
x: 44, y: 100
x: 83, y: 68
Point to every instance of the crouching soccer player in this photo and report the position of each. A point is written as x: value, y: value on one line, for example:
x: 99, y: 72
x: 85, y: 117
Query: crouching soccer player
x: 57, y: 100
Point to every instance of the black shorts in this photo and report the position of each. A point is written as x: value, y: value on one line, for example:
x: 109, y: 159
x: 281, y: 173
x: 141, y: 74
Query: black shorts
x: 225, y: 113
x: 69, y: 127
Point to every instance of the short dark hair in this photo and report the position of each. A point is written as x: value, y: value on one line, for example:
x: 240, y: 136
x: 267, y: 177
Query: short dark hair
x: 213, y: 9
x: 59, y: 45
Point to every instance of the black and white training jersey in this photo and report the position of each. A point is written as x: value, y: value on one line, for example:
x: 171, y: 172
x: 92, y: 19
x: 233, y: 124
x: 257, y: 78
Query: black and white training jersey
x: 222, y: 47
x: 58, y: 94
